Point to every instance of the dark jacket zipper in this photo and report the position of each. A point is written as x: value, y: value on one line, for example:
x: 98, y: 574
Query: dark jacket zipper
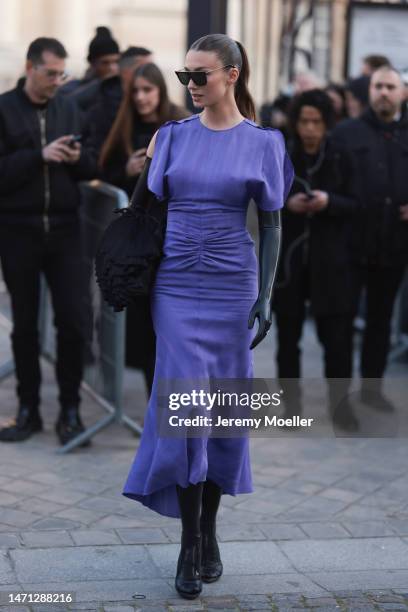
x: 47, y: 195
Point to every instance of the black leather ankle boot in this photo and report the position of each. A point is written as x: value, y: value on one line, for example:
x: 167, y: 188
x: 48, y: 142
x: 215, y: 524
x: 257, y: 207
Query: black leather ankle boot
x: 211, y: 564
x: 188, y: 578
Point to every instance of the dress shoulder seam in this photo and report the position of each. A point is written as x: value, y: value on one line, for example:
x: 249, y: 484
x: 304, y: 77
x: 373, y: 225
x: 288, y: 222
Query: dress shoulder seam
x: 173, y: 121
x: 260, y: 127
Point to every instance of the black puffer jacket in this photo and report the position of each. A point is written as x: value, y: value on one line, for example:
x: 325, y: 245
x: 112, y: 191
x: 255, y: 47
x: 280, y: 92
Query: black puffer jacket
x: 32, y: 192
x: 380, y: 151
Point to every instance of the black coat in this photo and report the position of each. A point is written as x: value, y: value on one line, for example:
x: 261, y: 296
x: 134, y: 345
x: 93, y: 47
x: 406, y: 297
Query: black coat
x: 380, y: 151
x: 115, y: 168
x: 84, y: 93
x: 315, y: 259
x: 102, y: 113
x: 22, y: 169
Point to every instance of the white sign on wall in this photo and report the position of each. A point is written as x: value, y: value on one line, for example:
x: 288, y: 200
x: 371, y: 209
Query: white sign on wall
x: 377, y: 29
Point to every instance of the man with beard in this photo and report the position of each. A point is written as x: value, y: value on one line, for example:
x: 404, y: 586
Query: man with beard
x: 379, y: 142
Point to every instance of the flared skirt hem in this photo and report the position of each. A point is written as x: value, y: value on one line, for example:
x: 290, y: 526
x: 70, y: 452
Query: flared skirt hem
x: 164, y: 501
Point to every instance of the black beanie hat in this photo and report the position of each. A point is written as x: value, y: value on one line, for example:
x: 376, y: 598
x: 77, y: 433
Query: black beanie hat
x: 102, y: 44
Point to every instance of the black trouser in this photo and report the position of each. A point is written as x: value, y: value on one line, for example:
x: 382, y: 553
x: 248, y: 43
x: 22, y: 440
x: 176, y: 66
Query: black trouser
x: 381, y: 285
x: 334, y: 333
x: 335, y: 336
x: 24, y: 253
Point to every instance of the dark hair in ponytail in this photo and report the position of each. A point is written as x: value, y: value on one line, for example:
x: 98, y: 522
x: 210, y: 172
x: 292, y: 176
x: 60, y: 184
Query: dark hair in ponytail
x: 232, y: 52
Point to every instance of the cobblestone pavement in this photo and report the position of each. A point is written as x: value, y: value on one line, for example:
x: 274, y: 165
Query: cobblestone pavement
x: 326, y: 528
x: 343, y: 601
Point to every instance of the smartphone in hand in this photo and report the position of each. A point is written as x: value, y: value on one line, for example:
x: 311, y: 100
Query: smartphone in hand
x: 74, y: 139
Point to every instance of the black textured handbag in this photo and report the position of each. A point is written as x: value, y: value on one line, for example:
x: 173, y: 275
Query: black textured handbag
x: 131, y: 248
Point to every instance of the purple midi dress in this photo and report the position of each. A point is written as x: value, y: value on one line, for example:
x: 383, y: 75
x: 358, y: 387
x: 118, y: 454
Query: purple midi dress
x: 205, y: 287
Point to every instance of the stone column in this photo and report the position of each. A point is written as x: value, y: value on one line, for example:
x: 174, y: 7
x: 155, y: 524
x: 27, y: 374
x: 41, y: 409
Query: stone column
x: 339, y: 32
x: 11, y: 52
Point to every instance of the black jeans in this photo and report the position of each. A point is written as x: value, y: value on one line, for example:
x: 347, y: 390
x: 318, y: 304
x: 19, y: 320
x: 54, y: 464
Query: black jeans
x: 26, y: 252
x: 381, y: 285
x: 335, y: 335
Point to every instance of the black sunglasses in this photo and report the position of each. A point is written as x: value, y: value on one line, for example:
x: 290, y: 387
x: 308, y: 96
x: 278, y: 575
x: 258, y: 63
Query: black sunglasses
x: 199, y: 77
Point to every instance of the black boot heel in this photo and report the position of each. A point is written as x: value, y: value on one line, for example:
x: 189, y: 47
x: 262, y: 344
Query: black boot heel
x: 188, y: 578
x: 211, y: 564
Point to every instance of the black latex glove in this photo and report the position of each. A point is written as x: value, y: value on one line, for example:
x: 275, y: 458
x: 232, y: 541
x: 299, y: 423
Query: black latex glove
x: 141, y: 191
x: 269, y: 249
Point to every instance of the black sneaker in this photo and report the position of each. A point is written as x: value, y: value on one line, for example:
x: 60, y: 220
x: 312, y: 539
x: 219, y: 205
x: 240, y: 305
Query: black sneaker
x: 69, y: 426
x: 27, y: 422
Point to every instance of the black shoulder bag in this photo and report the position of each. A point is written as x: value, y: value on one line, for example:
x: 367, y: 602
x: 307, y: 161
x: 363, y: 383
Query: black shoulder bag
x: 131, y: 247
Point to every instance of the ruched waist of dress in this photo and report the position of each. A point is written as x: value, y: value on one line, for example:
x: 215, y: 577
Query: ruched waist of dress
x: 200, y: 218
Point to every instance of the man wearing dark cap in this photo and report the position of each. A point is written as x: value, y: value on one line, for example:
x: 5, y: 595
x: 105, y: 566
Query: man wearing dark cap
x: 103, y: 55
x: 103, y: 58
x: 103, y: 113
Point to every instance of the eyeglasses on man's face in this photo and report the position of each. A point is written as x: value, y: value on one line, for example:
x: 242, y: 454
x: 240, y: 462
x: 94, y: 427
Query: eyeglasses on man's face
x: 199, y: 77
x: 52, y: 75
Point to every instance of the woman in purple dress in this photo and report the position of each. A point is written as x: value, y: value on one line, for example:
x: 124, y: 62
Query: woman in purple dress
x: 206, y: 296
x: 144, y: 108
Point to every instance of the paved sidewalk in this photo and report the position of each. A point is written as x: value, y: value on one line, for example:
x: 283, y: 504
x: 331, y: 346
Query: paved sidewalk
x: 327, y: 526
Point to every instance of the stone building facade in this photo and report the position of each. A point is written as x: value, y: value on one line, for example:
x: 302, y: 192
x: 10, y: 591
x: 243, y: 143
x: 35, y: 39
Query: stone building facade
x: 264, y: 27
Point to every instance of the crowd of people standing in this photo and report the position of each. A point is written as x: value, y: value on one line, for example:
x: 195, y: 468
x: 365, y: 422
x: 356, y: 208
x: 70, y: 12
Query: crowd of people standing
x: 345, y: 223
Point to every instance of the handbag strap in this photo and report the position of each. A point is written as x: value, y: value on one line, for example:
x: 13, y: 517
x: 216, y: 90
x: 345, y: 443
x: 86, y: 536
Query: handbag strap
x: 142, y: 196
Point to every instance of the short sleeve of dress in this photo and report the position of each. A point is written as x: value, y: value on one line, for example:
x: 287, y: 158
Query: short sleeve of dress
x: 277, y: 172
x: 156, y: 179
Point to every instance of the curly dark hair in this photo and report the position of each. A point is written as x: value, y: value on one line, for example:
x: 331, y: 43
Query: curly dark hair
x: 316, y: 98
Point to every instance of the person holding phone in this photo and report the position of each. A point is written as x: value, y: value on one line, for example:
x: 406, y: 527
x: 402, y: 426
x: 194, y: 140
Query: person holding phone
x: 315, y: 263
x: 144, y: 108
x: 76, y: 138
x: 41, y: 163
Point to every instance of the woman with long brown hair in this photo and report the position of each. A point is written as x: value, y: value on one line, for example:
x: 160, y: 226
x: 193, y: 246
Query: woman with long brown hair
x: 206, y: 298
x: 144, y: 108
